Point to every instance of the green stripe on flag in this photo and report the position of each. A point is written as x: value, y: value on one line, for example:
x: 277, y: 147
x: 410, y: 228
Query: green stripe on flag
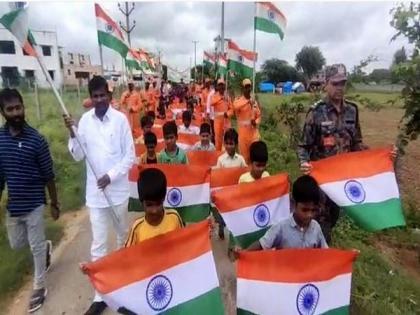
x: 240, y: 68
x: 240, y: 311
x: 113, y: 43
x: 268, y: 26
x: 377, y: 216
x: 344, y: 310
x: 194, y: 213
x: 245, y: 240
x: 209, y: 303
x: 8, y: 19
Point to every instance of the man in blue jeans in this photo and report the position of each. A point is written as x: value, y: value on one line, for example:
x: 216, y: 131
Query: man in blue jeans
x: 26, y: 168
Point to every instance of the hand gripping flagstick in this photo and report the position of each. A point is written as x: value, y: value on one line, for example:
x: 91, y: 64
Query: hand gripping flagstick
x: 74, y: 129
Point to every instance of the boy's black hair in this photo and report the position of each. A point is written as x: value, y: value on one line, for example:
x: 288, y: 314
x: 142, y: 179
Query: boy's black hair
x: 186, y: 115
x: 258, y: 152
x: 145, y: 120
x: 6, y: 95
x: 232, y: 135
x: 150, y: 138
x: 96, y: 83
x: 151, y: 114
x: 205, y: 128
x: 306, y: 189
x: 170, y: 128
x: 151, y: 185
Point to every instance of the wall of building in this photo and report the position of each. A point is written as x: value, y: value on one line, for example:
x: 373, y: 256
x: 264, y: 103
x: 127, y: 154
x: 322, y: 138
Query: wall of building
x: 23, y: 62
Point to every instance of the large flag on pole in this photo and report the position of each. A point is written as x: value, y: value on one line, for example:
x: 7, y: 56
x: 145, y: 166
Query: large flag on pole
x: 209, y: 59
x: 364, y: 184
x: 240, y: 61
x: 250, y: 209
x: 172, y: 273
x: 270, y: 19
x: 109, y: 33
x: 132, y: 60
x: 294, y: 281
x: 222, y: 65
x: 16, y: 21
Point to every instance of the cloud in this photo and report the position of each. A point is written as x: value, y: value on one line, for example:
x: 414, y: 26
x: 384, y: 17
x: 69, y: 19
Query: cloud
x: 345, y: 31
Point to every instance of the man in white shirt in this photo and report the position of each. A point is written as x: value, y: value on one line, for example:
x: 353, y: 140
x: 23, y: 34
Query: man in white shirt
x: 106, y: 138
x: 187, y: 127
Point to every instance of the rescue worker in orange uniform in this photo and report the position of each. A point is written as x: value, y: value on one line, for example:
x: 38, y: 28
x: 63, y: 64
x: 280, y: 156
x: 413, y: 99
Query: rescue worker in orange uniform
x: 221, y: 107
x: 248, y: 115
x: 131, y: 103
x: 204, y: 94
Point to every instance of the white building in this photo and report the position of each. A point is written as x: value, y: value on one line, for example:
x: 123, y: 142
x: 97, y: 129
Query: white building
x: 77, y: 68
x: 16, y: 65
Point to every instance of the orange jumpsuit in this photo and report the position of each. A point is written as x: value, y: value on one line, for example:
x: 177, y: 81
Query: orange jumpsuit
x: 221, y: 106
x: 131, y: 103
x: 245, y: 113
x: 151, y: 99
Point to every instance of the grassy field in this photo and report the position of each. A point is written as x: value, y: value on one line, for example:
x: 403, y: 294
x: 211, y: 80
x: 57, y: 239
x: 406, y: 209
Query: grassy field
x: 387, y: 273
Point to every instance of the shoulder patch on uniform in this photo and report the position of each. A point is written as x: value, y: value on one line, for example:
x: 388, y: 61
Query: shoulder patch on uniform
x: 317, y: 104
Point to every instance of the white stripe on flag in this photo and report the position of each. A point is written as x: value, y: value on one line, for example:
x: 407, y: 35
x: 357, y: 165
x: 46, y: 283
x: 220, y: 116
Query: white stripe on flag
x: 376, y: 188
x: 189, y: 280
x: 236, y: 56
x: 242, y: 220
x: 272, y: 298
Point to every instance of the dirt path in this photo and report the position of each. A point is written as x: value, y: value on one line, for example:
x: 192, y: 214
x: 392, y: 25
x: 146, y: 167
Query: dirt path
x: 69, y: 291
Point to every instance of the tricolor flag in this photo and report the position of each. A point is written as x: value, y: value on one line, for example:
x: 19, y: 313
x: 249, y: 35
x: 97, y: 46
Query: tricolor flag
x: 240, y: 61
x: 209, y: 59
x: 364, y: 184
x: 172, y: 273
x: 294, y: 281
x: 270, y: 19
x: 250, y: 209
x: 16, y: 21
x: 132, y: 60
x: 225, y: 177
x: 109, y: 33
x: 203, y: 158
x: 187, y: 141
x: 188, y: 189
x: 222, y: 65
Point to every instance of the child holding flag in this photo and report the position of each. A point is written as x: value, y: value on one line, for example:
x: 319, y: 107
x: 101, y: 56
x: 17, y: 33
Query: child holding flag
x: 157, y: 220
x: 172, y: 154
x: 230, y: 158
x: 204, y: 144
x: 146, y: 124
x: 258, y: 156
x: 300, y: 230
x: 150, y: 141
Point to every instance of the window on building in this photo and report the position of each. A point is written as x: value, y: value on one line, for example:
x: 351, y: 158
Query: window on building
x: 10, y: 76
x: 68, y: 71
x: 71, y: 56
x: 7, y: 47
x: 46, y: 50
x: 72, y: 62
x: 51, y: 72
x: 29, y: 74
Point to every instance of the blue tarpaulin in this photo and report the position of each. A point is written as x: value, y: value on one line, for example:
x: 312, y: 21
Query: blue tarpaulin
x: 266, y: 87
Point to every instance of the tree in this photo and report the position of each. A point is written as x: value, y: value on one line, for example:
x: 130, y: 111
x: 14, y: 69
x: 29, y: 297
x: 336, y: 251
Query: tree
x: 399, y: 56
x: 275, y: 71
x: 380, y: 75
x: 310, y: 60
x: 358, y: 74
x: 406, y: 21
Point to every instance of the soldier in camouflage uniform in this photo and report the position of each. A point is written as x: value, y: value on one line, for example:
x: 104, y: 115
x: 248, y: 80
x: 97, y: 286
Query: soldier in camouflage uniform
x: 331, y: 127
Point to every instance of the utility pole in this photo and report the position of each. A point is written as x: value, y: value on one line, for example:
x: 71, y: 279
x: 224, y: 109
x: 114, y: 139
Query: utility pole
x: 195, y: 58
x: 127, y: 28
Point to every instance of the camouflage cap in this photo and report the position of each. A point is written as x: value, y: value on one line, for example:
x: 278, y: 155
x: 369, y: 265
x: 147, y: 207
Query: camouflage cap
x: 336, y: 73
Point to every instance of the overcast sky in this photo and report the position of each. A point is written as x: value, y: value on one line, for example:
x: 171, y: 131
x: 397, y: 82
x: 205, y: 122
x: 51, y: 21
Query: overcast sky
x: 344, y: 31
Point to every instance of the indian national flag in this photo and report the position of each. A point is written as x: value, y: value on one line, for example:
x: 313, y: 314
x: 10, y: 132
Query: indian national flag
x: 109, y: 33
x: 225, y: 177
x: 222, y: 65
x: 240, y: 61
x: 203, y: 158
x: 188, y: 189
x: 364, y: 184
x: 209, y: 59
x: 294, y: 281
x: 187, y: 141
x: 172, y: 273
x: 16, y: 21
x: 270, y: 19
x: 132, y: 60
x: 250, y: 209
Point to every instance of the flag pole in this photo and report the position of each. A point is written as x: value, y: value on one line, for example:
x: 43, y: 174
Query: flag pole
x: 101, y: 56
x: 255, y: 49
x: 65, y: 111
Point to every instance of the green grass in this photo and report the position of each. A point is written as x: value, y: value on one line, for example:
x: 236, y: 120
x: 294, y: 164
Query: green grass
x: 16, y: 266
x: 379, y: 287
